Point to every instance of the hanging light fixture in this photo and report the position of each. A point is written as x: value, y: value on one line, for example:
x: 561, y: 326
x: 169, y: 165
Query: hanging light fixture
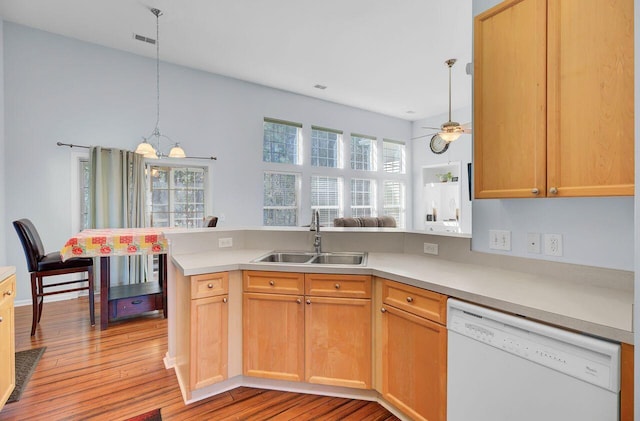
x: 146, y: 147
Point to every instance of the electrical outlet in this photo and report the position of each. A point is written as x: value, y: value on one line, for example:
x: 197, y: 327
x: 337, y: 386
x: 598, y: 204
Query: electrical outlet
x: 225, y: 242
x: 500, y: 240
x: 553, y: 244
x: 533, y: 242
x: 431, y: 248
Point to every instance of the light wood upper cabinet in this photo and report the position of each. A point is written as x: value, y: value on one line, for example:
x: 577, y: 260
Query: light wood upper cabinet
x: 553, y: 99
x: 7, y: 338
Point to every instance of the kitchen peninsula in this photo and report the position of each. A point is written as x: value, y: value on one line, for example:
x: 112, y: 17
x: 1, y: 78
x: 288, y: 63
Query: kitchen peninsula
x: 592, y: 300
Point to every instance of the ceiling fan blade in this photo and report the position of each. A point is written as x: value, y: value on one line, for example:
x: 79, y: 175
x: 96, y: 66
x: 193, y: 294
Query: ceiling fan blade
x: 424, y: 135
x: 431, y: 128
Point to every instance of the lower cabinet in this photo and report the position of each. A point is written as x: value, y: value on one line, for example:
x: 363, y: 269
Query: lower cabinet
x: 414, y: 353
x: 308, y: 328
x: 7, y: 339
x: 273, y: 325
x: 202, y: 327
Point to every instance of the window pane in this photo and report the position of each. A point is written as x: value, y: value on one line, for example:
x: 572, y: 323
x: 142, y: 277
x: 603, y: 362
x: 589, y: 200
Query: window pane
x: 280, y: 143
x: 326, y: 197
x: 393, y: 156
x: 177, y: 196
x: 325, y: 146
x: 280, y: 199
x: 362, y: 198
x: 394, y: 201
x: 362, y: 153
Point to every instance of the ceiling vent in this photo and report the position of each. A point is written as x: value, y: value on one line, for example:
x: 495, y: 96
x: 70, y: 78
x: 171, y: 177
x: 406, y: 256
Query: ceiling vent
x: 144, y: 39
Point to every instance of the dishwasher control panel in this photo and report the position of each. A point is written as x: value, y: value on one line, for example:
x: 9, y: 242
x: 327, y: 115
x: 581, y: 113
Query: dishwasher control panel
x: 580, y: 356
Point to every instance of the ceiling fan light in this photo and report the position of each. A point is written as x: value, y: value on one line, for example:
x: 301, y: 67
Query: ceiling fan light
x: 177, y: 152
x: 449, y: 136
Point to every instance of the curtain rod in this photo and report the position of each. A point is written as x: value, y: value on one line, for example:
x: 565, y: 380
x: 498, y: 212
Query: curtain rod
x: 71, y: 145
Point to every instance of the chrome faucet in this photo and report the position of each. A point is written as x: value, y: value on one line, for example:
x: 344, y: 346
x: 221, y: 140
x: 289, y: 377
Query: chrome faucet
x: 317, y: 238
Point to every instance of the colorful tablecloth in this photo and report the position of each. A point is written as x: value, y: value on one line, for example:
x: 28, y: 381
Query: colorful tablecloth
x: 115, y: 242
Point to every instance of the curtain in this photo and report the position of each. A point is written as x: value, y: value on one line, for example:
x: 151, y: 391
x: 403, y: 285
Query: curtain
x: 117, y: 199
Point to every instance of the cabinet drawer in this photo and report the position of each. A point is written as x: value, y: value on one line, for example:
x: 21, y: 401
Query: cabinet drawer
x: 418, y: 301
x: 329, y: 285
x: 209, y: 285
x: 129, y: 306
x: 8, y: 289
x: 273, y: 282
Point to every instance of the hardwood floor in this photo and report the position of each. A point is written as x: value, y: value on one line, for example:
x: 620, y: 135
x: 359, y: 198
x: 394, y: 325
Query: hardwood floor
x: 88, y: 374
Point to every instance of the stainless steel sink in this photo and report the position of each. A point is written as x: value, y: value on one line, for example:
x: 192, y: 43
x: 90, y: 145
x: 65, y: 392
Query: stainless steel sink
x: 339, y: 259
x: 286, y: 257
x: 310, y: 258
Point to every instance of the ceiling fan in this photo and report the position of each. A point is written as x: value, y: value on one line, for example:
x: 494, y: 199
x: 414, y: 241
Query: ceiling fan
x: 450, y: 130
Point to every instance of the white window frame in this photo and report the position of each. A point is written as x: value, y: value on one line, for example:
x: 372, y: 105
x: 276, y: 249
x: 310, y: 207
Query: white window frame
x: 372, y: 198
x: 402, y: 164
x: 197, y: 220
x: 372, y: 155
x: 398, y: 210
x: 325, y: 210
x: 298, y: 126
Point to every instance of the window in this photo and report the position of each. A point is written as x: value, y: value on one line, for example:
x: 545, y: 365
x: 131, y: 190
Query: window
x: 325, y: 147
x: 393, y: 156
x: 363, y: 152
x: 362, y: 198
x: 281, y: 142
x: 177, y: 196
x: 394, y: 201
x: 280, y: 199
x: 326, y: 198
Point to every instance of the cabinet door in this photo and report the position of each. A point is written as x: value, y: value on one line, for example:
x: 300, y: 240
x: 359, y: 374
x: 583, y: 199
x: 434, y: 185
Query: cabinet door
x: 590, y: 98
x: 209, y: 341
x: 273, y: 336
x: 338, y: 341
x: 414, y: 365
x: 7, y: 356
x: 509, y: 109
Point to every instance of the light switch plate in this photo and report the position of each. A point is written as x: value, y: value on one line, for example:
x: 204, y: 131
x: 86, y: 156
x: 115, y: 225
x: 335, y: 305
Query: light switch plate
x: 500, y: 240
x: 431, y: 248
x: 225, y: 242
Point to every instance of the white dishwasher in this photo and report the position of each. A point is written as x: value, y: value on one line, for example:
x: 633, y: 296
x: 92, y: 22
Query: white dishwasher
x: 507, y: 368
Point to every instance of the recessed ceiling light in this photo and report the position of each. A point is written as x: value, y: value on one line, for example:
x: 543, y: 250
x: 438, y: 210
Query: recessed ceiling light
x: 319, y: 86
x: 411, y: 112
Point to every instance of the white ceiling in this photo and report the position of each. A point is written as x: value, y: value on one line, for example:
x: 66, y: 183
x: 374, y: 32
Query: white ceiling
x: 380, y: 55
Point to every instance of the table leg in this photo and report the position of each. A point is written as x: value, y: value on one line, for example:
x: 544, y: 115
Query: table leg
x: 162, y: 273
x: 105, y: 280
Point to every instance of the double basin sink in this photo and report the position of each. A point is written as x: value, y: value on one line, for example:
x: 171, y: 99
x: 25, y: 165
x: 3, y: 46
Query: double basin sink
x: 310, y: 258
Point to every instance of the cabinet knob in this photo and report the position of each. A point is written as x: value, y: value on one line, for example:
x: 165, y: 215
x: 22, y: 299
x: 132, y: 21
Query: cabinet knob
x: 308, y: 301
x: 409, y: 299
x: 224, y: 300
x: 1, y: 319
x: 9, y: 293
x: 337, y: 286
x: 535, y: 191
x: 553, y: 190
x: 210, y: 286
x: 383, y: 310
x: 298, y: 301
x: 272, y: 283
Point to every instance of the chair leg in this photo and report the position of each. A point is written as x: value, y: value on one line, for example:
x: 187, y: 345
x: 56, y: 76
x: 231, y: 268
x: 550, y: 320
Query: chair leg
x: 92, y: 312
x: 34, y: 299
x: 41, y: 297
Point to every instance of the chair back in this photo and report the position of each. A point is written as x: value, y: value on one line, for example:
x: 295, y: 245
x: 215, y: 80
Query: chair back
x: 31, y: 242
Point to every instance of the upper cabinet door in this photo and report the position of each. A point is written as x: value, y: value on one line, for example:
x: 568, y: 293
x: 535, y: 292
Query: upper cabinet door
x: 510, y: 100
x: 590, y: 101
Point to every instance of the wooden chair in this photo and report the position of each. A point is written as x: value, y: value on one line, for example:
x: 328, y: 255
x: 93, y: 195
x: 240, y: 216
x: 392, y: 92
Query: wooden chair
x: 41, y: 265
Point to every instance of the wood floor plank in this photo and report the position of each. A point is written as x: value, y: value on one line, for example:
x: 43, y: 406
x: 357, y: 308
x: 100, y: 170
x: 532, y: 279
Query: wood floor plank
x: 89, y: 374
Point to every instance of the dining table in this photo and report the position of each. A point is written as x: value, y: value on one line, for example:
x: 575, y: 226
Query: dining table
x: 136, y: 296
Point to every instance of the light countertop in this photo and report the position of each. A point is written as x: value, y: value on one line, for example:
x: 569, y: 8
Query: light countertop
x: 6, y: 271
x: 595, y: 310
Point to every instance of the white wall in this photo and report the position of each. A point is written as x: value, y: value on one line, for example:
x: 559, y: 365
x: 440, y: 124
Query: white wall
x: 59, y: 89
x: 3, y: 157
